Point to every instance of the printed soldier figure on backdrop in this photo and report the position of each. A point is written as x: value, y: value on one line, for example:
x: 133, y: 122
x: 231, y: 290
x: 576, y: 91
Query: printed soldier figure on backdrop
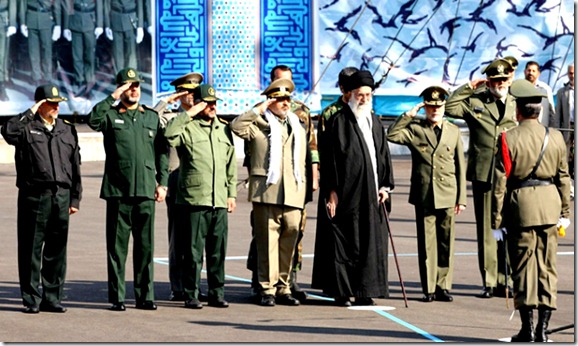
x: 7, y: 29
x: 83, y: 25
x: 49, y: 190
x: 531, y: 198
x: 40, y: 21
x: 123, y: 21
x: 487, y: 112
x: 438, y: 188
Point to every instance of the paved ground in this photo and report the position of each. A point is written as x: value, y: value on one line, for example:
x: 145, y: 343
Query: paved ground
x: 467, y: 319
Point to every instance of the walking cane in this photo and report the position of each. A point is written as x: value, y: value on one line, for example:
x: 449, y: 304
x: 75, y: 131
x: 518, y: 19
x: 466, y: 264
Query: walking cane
x: 507, y: 288
x: 395, y: 255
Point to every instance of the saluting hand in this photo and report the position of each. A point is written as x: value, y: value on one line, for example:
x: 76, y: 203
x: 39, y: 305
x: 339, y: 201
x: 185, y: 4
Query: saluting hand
x: 474, y: 84
x: 37, y: 105
x: 413, y: 112
x: 175, y: 96
x: 121, y: 89
x: 196, y: 109
x: 264, y: 105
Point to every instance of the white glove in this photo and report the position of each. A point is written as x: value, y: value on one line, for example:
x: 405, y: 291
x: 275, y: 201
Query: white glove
x: 564, y: 222
x: 108, y: 33
x: 139, y: 35
x: 97, y: 32
x: 499, y: 233
x: 56, y: 33
x: 67, y: 34
x: 10, y: 31
x: 24, y: 30
x: 150, y: 29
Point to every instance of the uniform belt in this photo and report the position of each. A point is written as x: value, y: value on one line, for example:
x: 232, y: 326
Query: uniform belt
x: 124, y: 10
x: 517, y: 184
x: 84, y: 9
x: 35, y: 9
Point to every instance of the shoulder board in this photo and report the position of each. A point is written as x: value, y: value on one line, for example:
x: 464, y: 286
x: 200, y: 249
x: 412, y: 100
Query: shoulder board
x: 223, y: 121
x: 67, y: 122
x: 302, y: 104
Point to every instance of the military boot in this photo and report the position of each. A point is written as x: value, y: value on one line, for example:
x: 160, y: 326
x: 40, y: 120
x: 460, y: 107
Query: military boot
x: 543, y: 319
x: 296, y: 291
x: 526, y: 333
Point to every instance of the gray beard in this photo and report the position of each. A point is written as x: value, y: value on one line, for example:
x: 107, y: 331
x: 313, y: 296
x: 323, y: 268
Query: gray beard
x: 359, y: 111
x: 499, y: 94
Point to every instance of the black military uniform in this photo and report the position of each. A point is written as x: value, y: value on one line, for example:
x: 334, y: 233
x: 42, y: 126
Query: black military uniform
x: 7, y: 20
x: 39, y: 16
x: 48, y: 178
x: 81, y: 20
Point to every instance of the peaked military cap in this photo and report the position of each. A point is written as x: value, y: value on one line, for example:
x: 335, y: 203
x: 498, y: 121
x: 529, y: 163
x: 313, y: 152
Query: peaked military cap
x: 279, y: 88
x: 361, y: 78
x: 526, y: 92
x: 434, y: 96
x: 513, y: 61
x: 499, y: 68
x: 205, y: 92
x: 48, y: 92
x: 128, y: 75
x: 188, y: 81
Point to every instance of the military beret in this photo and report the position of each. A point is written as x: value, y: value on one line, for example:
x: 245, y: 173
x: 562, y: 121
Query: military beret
x: 361, y: 78
x: 279, y: 88
x: 526, y: 92
x: 434, y: 96
x: 188, y: 81
x: 205, y: 92
x: 128, y: 75
x: 48, y: 92
x: 499, y: 68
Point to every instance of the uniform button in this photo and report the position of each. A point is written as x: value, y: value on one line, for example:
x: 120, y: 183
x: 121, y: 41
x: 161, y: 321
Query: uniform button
x: 434, y: 178
x: 442, y: 179
x: 434, y: 167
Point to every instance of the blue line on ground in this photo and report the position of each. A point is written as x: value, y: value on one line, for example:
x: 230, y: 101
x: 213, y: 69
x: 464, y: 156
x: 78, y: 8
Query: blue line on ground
x: 409, y: 326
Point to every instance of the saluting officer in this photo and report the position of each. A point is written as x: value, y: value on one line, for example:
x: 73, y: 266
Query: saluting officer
x: 40, y: 22
x: 83, y: 25
x: 487, y: 113
x: 531, y: 196
x: 135, y: 176
x: 438, y: 187
x: 184, y: 86
x: 49, y: 190
x: 123, y: 21
x: 7, y: 29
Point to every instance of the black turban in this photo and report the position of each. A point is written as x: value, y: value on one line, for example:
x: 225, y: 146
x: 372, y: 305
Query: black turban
x: 361, y: 78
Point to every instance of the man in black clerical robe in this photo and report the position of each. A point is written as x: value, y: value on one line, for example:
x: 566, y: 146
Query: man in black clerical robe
x: 356, y: 177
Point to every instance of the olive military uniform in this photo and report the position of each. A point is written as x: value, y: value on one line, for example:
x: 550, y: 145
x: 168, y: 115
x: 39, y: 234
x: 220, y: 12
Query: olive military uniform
x: 81, y: 20
x: 123, y: 17
x: 486, y: 120
x: 136, y: 161
x: 40, y: 16
x: 49, y: 184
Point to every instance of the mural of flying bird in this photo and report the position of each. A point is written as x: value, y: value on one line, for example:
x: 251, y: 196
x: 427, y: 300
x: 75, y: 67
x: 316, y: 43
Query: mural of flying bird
x: 472, y: 46
x: 411, y: 79
x: 548, y: 40
x: 526, y: 11
x: 450, y: 26
x: 340, y: 24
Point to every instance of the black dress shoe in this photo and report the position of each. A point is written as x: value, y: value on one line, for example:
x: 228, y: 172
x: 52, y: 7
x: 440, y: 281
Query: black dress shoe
x: 342, y: 301
x: 32, y: 309
x: 428, y: 298
x: 218, y: 302
x: 299, y: 295
x: 363, y: 301
x: 487, y: 292
x: 203, y: 297
x: 267, y: 300
x: 177, y: 296
x: 193, y: 304
x: 288, y: 300
x: 146, y: 305
x: 47, y: 307
x: 500, y: 292
x: 443, y: 296
x: 117, y: 307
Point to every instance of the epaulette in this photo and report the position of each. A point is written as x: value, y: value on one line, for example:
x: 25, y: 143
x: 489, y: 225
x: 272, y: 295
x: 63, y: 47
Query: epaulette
x: 67, y: 122
x: 302, y: 104
x: 223, y: 121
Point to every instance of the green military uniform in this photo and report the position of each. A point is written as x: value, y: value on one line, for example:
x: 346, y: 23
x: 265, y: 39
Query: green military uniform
x: 207, y: 179
x: 7, y: 19
x: 40, y: 16
x: 438, y: 185
x: 81, y: 20
x: 123, y: 17
x: 136, y: 161
x: 485, y: 122
x: 529, y: 206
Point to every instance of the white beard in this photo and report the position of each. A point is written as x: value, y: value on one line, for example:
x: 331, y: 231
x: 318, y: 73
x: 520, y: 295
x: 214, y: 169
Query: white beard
x: 360, y: 111
x: 499, y: 93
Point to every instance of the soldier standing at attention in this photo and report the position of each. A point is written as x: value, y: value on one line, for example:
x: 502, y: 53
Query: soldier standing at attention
x: 7, y: 29
x: 83, y: 25
x: 135, y: 176
x: 438, y: 188
x: 184, y: 86
x: 531, y: 197
x: 123, y: 21
x: 49, y: 191
x: 206, y: 191
x: 487, y: 113
x: 40, y: 21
